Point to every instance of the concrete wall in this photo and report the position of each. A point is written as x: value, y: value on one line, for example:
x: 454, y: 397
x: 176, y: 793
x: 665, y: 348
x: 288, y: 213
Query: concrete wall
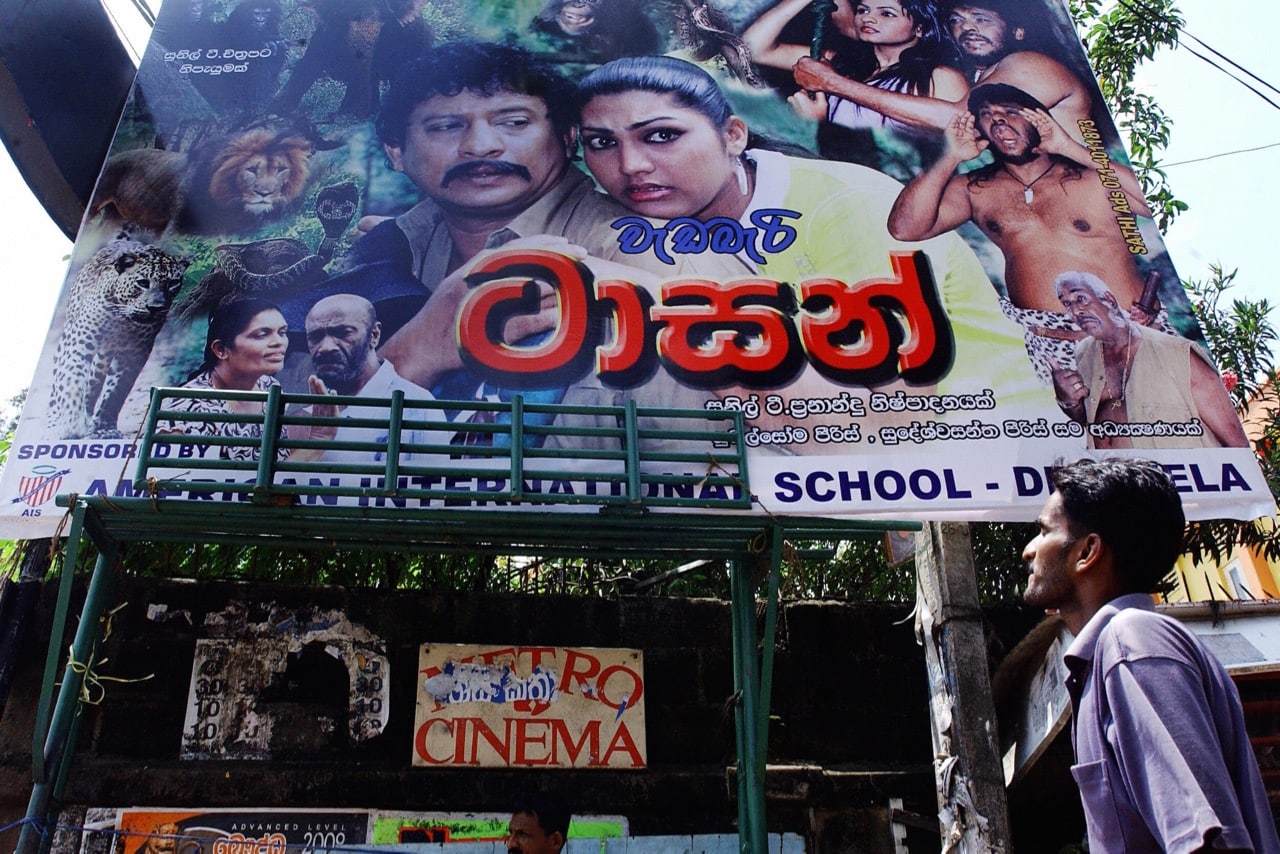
x: 850, y: 728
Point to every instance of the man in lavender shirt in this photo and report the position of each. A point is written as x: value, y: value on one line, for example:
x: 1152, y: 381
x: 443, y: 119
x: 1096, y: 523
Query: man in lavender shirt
x: 1162, y: 757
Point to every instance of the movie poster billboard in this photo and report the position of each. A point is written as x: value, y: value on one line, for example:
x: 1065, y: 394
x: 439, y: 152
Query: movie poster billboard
x: 904, y: 241
x: 150, y: 830
x: 530, y: 707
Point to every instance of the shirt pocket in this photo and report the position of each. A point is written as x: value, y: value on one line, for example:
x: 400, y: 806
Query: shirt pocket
x: 1097, y: 796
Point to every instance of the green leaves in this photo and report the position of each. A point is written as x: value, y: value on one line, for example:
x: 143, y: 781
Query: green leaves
x: 1242, y: 339
x: 1117, y: 42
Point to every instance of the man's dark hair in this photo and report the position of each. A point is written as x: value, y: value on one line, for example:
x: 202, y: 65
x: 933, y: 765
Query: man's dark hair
x: 547, y: 808
x: 480, y: 67
x: 1010, y: 11
x: 1003, y: 94
x: 1133, y: 506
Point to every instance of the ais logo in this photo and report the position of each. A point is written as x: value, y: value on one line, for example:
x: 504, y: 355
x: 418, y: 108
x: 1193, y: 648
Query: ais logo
x: 39, y: 487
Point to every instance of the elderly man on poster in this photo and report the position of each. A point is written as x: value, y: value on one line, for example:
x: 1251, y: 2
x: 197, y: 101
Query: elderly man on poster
x: 1132, y: 379
x: 342, y: 336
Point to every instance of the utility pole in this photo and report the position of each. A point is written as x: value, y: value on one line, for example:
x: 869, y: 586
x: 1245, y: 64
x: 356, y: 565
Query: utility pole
x: 972, y: 810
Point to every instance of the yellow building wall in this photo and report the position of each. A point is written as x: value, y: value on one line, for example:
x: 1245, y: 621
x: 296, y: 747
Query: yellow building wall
x: 1244, y: 576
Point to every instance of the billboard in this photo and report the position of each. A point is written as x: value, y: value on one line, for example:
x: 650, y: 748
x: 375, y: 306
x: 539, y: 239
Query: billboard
x: 147, y: 830
x: 530, y: 707
x: 904, y: 241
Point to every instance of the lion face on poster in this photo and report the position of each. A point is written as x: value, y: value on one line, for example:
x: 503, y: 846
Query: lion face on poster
x: 259, y: 174
x: 233, y: 184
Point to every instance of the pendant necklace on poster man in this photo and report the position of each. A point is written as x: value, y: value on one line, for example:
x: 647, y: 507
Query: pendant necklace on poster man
x: 1028, y: 194
x: 1118, y: 401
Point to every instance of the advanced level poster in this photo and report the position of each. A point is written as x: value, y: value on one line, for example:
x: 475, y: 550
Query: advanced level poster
x: 901, y: 237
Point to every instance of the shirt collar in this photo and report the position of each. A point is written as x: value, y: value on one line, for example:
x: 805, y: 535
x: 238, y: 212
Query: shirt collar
x: 423, y: 222
x: 1082, y: 648
x: 773, y: 180
x: 536, y: 219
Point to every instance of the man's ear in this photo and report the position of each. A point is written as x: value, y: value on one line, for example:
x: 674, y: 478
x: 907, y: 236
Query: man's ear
x: 375, y: 334
x: 394, y: 155
x: 1091, y: 552
x: 557, y: 840
x: 570, y: 142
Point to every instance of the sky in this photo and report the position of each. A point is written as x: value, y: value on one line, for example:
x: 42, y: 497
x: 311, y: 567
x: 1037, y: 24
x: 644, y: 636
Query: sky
x: 1231, y: 220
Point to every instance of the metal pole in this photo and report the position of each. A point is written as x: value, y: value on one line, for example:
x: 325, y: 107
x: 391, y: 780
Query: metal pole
x: 767, y: 645
x: 740, y: 663
x: 273, y: 411
x: 66, y: 580
x: 517, y: 446
x: 56, y: 752
x: 752, y: 836
x: 391, y: 475
x: 632, y: 448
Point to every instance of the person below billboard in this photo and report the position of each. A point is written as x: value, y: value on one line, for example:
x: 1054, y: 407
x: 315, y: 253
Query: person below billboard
x: 244, y: 349
x: 1131, y: 374
x: 660, y: 136
x: 1163, y: 758
x: 539, y: 824
x: 1040, y: 201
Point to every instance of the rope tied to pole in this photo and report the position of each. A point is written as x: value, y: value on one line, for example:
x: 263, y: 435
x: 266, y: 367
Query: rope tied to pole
x: 92, y: 688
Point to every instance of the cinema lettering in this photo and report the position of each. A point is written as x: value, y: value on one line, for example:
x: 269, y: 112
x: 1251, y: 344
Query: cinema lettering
x: 563, y: 707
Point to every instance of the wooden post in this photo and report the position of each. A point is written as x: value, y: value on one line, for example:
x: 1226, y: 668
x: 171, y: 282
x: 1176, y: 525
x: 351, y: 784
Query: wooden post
x: 972, y: 809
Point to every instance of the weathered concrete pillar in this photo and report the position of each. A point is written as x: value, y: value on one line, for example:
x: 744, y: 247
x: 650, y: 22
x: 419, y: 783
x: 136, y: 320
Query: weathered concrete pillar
x: 972, y: 810
x: 17, y: 603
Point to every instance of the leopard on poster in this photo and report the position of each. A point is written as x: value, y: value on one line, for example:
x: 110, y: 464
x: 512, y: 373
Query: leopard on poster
x: 902, y: 240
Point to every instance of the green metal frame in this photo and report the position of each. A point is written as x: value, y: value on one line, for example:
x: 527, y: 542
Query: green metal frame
x: 651, y: 508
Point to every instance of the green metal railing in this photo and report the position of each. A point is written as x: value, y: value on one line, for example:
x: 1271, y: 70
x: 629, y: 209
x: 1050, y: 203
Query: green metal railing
x: 431, y: 450
x: 265, y: 479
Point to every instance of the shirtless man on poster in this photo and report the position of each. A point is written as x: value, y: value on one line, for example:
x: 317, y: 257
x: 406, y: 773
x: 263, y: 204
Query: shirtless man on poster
x: 1043, y: 202
x: 988, y: 35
